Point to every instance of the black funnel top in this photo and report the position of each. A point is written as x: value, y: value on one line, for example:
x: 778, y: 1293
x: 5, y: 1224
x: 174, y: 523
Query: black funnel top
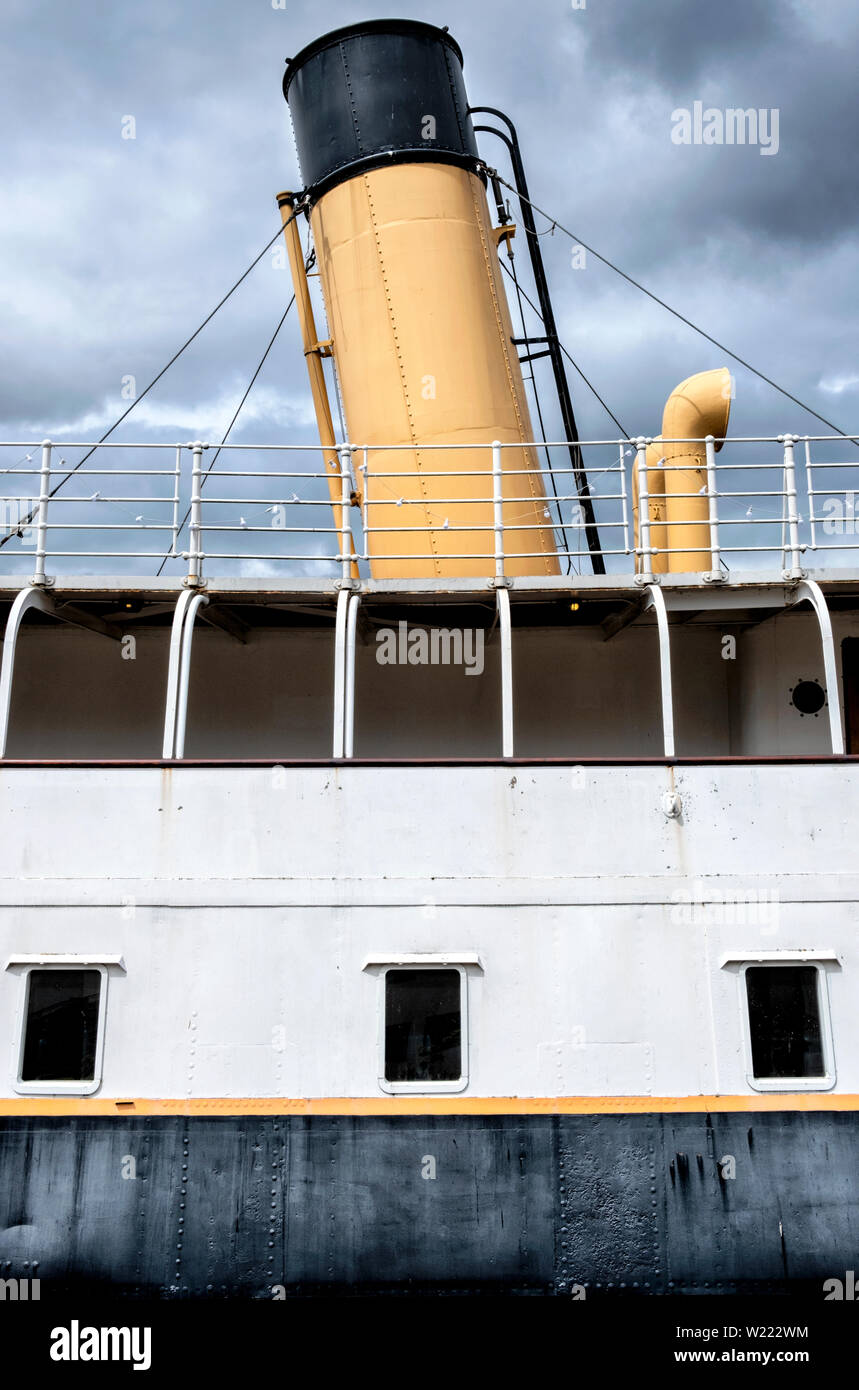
x: 370, y: 94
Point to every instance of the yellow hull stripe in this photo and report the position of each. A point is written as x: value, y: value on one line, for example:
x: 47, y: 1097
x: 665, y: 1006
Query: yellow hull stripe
x: 427, y: 1105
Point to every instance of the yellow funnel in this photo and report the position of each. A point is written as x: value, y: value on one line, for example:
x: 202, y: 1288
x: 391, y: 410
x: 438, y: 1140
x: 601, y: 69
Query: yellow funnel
x: 422, y: 340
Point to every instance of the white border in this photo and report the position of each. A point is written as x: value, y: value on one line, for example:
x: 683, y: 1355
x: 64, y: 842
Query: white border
x: 59, y: 1088
x: 425, y: 1087
x: 790, y: 1083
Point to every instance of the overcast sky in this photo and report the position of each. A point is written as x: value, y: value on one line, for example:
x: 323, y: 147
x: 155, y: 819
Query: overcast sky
x: 114, y: 249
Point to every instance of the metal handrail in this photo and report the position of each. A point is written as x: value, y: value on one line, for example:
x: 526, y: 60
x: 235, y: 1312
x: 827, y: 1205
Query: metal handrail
x: 814, y: 516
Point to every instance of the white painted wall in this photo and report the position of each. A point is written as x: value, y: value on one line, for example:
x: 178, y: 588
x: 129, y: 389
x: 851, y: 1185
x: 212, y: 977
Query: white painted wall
x: 246, y: 900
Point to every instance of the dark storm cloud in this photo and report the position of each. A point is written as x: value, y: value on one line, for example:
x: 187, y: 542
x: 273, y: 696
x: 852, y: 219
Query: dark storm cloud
x: 116, y: 249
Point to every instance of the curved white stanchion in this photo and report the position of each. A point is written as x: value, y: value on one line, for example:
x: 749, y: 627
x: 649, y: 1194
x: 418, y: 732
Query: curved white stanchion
x: 179, y: 671
x: 502, y: 604
x: 809, y: 589
x: 349, y: 719
x: 340, y: 673
x: 33, y: 597
x: 656, y: 600
x: 198, y: 601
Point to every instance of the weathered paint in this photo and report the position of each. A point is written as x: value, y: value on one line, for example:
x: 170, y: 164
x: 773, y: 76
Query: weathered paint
x: 236, y: 1207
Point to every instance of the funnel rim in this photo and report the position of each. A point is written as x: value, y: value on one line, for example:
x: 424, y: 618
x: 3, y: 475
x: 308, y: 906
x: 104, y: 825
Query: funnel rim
x: 370, y: 26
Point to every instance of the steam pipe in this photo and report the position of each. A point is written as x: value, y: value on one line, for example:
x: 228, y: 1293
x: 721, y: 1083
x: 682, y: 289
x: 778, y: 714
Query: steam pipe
x: 547, y: 313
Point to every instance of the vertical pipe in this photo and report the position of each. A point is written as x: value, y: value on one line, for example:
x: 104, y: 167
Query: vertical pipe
x: 713, y: 516
x: 498, y: 500
x: 547, y: 314
x: 502, y: 603
x: 351, y: 628
x: 795, y: 571
x: 195, y: 528
x: 42, y: 522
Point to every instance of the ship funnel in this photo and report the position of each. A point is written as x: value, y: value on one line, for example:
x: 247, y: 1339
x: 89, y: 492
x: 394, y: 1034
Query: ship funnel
x: 419, y: 325
x: 678, y: 504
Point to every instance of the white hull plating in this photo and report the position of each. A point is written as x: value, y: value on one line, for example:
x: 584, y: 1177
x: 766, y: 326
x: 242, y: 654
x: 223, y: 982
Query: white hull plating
x: 245, y: 903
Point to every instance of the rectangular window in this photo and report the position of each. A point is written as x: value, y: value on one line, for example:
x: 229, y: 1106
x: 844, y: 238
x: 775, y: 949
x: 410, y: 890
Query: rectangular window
x: 786, y: 1023
x: 424, y: 1027
x: 61, y: 1039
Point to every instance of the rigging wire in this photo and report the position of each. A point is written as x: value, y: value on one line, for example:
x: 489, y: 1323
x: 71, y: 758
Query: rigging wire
x: 238, y: 409
x: 575, y: 364
x: 156, y: 379
x: 682, y: 317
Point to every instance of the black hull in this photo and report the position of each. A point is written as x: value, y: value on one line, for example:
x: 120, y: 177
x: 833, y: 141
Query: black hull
x: 263, y: 1207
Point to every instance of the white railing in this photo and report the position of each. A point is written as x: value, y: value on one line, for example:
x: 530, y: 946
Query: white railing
x: 780, y: 504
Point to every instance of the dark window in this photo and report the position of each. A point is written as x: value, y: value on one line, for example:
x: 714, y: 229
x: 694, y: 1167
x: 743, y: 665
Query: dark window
x: 423, y: 1025
x: 62, y: 1024
x: 784, y: 1020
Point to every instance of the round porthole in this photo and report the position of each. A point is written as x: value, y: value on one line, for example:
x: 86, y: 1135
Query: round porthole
x: 808, y: 697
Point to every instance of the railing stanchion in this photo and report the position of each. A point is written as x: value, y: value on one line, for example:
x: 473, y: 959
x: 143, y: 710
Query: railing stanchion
x: 365, y: 483
x: 344, y: 453
x: 795, y: 571
x: 498, y: 507
x: 40, y: 577
x: 195, y: 523
x: 177, y: 479
x: 645, y: 575
x: 715, y: 574
x: 809, y: 488
x: 624, y: 506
